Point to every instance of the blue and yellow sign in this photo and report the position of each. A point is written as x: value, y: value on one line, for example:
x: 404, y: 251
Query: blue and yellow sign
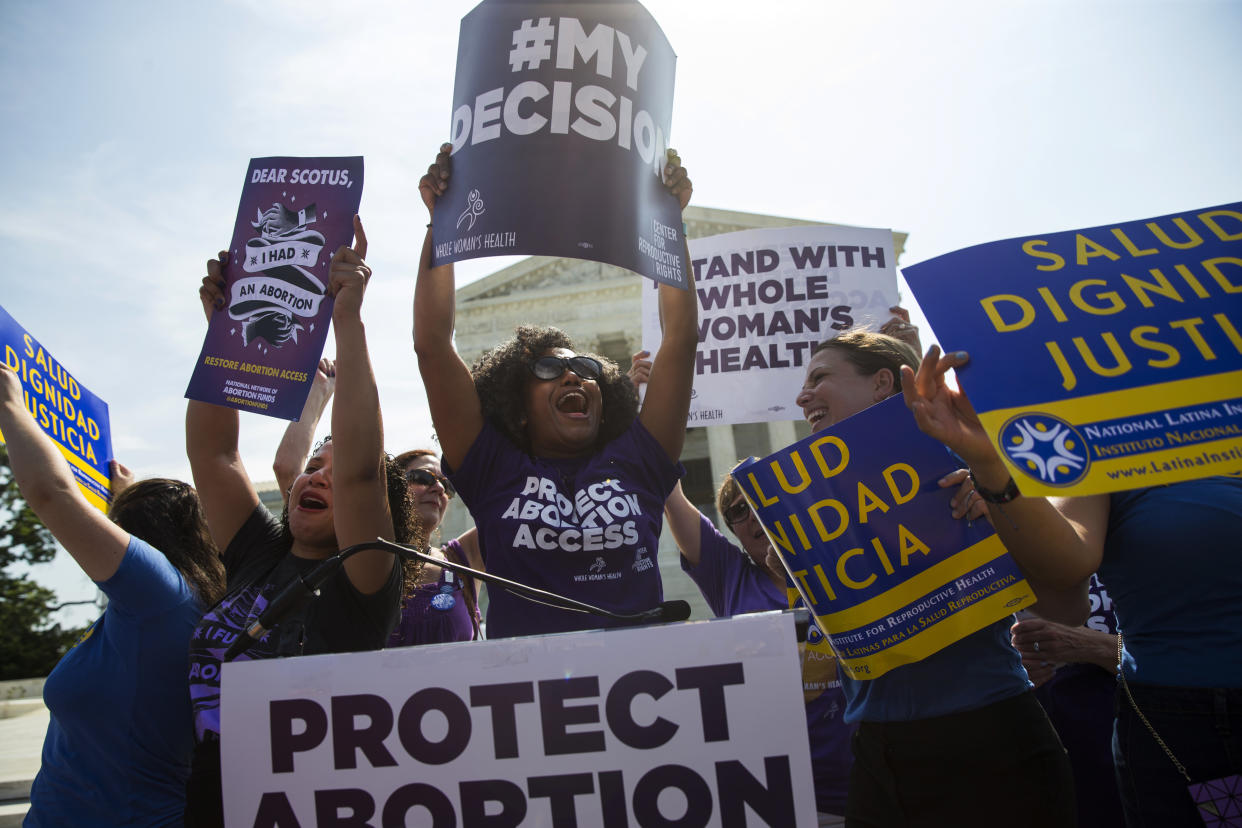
x: 1101, y: 359
x: 867, y: 534
x: 70, y: 414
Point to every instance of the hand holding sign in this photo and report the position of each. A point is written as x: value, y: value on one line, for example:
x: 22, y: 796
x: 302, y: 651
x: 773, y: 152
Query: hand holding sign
x: 434, y: 184
x: 945, y: 414
x: 211, y: 292
x: 348, y: 275
x: 676, y: 181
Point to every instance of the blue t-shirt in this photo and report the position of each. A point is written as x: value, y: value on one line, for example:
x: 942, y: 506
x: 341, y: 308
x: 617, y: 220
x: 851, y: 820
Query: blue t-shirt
x: 120, y: 734
x: 980, y: 669
x: 587, y: 527
x: 1173, y: 565
x: 732, y: 585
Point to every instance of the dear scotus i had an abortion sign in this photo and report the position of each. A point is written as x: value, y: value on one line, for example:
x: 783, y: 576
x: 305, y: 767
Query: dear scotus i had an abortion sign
x: 869, y: 540
x: 766, y: 299
x: 689, y: 724
x: 1101, y: 359
x: 263, y: 346
x: 561, y: 113
x: 75, y: 419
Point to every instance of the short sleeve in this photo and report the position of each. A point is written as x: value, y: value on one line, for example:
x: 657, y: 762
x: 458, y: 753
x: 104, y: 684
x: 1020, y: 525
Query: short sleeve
x: 146, y: 583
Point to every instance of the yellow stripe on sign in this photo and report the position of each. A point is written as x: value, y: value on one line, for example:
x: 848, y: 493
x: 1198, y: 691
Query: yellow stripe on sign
x: 914, y: 588
x: 1145, y: 467
x: 935, y: 637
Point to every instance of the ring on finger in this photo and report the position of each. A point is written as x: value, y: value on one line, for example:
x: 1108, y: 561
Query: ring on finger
x: 1037, y: 646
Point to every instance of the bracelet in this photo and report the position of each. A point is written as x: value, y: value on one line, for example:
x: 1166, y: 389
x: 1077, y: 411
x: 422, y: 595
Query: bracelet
x: 1003, y: 496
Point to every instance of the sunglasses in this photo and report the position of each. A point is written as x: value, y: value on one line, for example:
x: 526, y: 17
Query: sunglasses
x: 737, y: 512
x: 425, y: 477
x: 554, y: 367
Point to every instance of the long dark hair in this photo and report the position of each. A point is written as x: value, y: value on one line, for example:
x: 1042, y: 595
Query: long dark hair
x: 500, y: 378
x: 168, y: 515
x: 407, y: 529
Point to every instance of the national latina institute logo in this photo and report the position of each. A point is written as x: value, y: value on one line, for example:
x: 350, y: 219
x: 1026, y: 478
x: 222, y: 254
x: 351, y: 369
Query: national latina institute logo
x: 1046, y: 448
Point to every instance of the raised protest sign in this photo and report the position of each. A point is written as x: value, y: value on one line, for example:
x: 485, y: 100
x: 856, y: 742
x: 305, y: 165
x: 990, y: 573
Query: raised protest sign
x: 1101, y: 359
x: 766, y: 299
x: 75, y: 419
x: 262, y: 348
x: 561, y: 113
x: 689, y: 724
x: 857, y: 517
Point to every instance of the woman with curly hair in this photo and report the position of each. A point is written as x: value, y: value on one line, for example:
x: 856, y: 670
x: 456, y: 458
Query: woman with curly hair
x: 118, y: 738
x: 565, y: 479
x: 349, y: 492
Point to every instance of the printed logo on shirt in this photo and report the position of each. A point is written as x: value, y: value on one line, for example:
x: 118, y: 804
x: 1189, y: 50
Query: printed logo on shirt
x: 641, y: 562
x: 597, y: 571
x: 601, y: 517
x: 1102, y: 618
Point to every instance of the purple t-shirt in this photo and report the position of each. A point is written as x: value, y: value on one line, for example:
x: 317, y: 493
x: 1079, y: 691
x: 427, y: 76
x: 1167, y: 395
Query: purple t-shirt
x: 587, y: 528
x: 438, y: 612
x: 732, y: 585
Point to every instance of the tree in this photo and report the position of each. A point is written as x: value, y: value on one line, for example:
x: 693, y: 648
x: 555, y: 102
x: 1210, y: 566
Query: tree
x: 30, y: 642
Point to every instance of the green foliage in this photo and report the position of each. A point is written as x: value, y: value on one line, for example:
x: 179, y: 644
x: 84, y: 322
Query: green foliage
x: 30, y: 643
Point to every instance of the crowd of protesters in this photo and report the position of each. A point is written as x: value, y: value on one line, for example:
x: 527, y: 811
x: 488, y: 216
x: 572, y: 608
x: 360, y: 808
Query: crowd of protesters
x: 958, y: 738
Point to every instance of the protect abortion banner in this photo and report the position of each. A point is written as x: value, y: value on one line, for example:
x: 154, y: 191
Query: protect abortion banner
x: 75, y: 419
x: 766, y: 299
x: 868, y: 537
x: 262, y: 348
x: 561, y: 113
x: 690, y: 724
x: 1101, y: 359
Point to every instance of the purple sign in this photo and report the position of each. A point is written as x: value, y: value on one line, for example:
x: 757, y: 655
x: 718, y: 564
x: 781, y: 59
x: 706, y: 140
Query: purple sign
x: 561, y: 113
x: 262, y: 347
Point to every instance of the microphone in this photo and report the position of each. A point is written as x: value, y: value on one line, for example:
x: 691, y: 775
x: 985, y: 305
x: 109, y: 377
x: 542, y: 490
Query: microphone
x: 298, y: 590
x: 667, y: 613
x: 304, y: 586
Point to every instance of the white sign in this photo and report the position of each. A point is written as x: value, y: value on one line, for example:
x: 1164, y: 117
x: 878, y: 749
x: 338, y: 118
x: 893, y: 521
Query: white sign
x: 688, y: 724
x: 766, y: 299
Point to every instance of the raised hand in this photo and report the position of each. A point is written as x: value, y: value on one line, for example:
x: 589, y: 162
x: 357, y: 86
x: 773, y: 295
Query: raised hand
x: 676, y: 180
x: 348, y: 275
x: 433, y: 185
x: 640, y: 368
x: 211, y: 291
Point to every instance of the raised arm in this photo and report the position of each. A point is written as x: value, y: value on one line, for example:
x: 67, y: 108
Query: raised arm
x: 47, y: 483
x: 211, y: 431
x: 455, y: 409
x: 680, y: 515
x: 295, y: 445
x: 1058, y: 545
x: 667, y: 402
x: 684, y: 521
x: 359, y: 482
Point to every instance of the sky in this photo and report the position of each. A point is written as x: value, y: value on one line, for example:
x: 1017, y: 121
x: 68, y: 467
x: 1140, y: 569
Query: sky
x: 128, y: 127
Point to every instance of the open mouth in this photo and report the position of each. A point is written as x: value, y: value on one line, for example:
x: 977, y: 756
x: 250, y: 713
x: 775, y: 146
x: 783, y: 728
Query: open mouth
x: 312, y: 502
x: 814, y: 416
x: 573, y: 403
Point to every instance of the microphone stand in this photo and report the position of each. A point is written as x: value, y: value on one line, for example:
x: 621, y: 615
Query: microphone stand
x: 304, y: 586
